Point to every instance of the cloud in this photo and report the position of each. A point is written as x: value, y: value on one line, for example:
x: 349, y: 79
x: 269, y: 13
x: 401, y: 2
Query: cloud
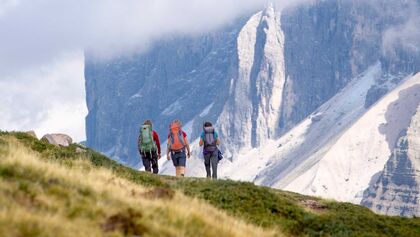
x: 406, y: 35
x: 6, y: 5
x: 34, y: 31
x: 48, y: 99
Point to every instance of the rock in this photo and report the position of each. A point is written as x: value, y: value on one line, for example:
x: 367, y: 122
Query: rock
x: 31, y: 133
x: 58, y: 139
x: 397, y: 190
x: 374, y: 94
x: 316, y: 118
x: 313, y: 204
x: 80, y: 150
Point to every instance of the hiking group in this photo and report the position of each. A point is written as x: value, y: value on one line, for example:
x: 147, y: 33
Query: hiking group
x: 178, y: 148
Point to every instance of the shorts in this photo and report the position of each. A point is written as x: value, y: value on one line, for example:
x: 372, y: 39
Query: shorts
x: 179, y: 158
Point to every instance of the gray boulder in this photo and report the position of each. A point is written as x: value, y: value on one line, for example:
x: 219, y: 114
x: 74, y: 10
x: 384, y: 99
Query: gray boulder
x: 80, y: 150
x: 31, y: 133
x: 58, y: 139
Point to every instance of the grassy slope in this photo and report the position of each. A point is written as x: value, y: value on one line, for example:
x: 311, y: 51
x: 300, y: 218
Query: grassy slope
x: 54, y: 195
x: 274, y: 210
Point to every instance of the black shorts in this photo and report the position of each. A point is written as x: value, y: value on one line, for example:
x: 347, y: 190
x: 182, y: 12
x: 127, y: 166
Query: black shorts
x: 179, y: 158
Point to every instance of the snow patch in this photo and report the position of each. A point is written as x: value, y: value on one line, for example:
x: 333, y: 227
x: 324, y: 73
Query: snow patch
x: 187, y: 128
x: 206, y: 110
x: 172, y: 109
x: 344, y: 171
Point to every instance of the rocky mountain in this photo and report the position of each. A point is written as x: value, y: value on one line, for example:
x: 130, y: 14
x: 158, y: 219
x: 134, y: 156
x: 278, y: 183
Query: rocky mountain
x: 305, y: 98
x: 395, y: 189
x: 343, y: 151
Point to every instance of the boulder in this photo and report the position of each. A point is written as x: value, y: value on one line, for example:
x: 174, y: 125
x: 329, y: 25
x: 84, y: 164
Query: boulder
x: 57, y: 139
x: 31, y: 133
x: 80, y: 150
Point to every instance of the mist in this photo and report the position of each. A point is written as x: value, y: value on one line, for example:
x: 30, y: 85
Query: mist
x: 405, y: 35
x: 39, y: 31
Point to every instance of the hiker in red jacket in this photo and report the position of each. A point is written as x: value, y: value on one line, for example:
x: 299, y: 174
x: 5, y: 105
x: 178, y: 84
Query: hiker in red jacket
x: 149, y: 147
x: 178, y: 148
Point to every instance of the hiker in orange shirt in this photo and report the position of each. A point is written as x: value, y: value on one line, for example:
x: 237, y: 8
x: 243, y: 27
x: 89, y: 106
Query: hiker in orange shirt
x: 178, y: 148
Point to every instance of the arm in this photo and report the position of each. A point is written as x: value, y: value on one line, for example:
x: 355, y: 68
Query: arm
x: 186, y: 144
x: 188, y: 150
x: 168, y: 157
x: 201, y: 143
x: 168, y: 150
x: 156, y: 139
x: 216, y: 136
x: 139, y: 144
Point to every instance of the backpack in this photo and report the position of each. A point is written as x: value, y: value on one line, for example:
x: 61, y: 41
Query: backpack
x: 176, y: 140
x: 209, y: 141
x: 146, y: 143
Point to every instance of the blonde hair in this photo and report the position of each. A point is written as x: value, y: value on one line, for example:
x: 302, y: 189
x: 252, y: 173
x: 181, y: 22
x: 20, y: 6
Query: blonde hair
x: 177, y: 121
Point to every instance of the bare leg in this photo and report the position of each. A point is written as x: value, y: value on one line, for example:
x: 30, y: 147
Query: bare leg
x: 181, y: 170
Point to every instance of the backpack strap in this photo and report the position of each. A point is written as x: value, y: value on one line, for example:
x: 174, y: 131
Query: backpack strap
x: 181, y: 137
x: 170, y: 140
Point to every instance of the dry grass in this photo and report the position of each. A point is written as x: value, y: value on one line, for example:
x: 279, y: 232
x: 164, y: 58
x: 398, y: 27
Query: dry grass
x: 43, y: 198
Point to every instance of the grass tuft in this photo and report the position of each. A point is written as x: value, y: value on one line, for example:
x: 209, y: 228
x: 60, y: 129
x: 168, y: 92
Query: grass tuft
x: 127, y: 222
x: 160, y: 193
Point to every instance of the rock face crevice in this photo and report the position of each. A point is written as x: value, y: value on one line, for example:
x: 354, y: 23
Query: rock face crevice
x: 319, y: 44
x: 252, y: 112
x: 396, y: 192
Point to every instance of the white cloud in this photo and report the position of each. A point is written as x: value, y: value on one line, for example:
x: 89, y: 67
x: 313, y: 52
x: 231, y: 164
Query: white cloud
x: 36, y: 31
x: 6, y: 5
x: 65, y: 118
x: 405, y: 35
x: 49, y: 99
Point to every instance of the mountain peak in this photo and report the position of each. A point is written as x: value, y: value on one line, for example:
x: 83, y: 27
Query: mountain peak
x: 278, y: 89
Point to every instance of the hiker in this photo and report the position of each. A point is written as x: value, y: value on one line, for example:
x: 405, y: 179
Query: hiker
x: 149, y: 147
x: 178, y: 148
x: 209, y: 139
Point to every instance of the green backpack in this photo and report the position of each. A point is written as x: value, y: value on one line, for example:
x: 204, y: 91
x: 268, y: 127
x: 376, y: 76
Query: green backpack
x: 146, y: 143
